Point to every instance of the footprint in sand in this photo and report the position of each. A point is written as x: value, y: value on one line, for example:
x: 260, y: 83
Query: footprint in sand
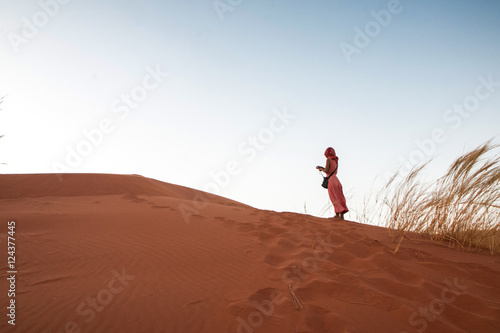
x: 318, y: 319
x: 287, y: 244
x: 133, y: 198
x: 342, y: 258
x: 225, y: 220
x: 269, y: 233
x: 274, y: 260
x: 162, y: 207
x: 245, y: 227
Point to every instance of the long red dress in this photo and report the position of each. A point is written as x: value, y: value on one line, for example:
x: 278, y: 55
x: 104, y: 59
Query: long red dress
x: 335, y: 190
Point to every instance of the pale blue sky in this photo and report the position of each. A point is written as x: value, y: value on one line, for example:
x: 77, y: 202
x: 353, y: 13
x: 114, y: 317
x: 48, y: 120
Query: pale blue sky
x: 228, y: 77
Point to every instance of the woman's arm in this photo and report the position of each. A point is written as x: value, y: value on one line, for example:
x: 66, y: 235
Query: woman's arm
x: 326, y: 169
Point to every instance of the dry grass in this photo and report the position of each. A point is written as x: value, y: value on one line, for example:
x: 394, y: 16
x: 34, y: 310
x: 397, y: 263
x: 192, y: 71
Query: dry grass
x: 461, y: 208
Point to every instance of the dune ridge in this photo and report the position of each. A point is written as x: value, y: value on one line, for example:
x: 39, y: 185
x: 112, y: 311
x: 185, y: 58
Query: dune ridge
x: 114, y: 253
x: 17, y: 186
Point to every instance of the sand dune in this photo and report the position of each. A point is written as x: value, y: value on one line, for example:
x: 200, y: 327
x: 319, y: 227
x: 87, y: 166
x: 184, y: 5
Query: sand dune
x: 119, y: 253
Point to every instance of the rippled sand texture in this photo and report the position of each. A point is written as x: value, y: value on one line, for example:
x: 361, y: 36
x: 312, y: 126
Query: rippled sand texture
x: 113, y: 253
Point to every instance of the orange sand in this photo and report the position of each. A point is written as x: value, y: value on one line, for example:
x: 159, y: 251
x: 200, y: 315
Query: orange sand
x: 114, y: 253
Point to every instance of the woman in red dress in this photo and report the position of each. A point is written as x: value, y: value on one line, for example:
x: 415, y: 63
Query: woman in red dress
x: 334, y: 186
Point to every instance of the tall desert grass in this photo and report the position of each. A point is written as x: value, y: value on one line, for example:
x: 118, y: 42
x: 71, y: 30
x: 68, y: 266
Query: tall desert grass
x: 461, y: 208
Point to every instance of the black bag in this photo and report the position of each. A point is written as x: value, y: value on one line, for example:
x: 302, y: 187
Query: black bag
x: 325, y: 179
x: 325, y: 182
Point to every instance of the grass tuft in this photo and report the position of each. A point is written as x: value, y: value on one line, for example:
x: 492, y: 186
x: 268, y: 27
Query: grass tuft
x: 461, y: 208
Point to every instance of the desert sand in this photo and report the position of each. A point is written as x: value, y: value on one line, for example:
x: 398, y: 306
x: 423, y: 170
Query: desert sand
x: 125, y: 253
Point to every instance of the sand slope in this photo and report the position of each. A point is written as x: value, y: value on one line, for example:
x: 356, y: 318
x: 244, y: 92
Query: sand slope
x: 115, y: 253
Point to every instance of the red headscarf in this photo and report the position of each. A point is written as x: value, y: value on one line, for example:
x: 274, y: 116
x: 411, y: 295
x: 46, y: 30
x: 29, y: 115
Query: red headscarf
x: 330, y: 153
